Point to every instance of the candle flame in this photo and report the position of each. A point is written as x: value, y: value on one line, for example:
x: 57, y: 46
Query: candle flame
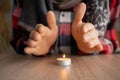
x: 63, y: 55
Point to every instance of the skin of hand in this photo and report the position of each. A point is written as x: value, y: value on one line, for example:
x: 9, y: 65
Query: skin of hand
x: 85, y: 35
x: 42, y: 37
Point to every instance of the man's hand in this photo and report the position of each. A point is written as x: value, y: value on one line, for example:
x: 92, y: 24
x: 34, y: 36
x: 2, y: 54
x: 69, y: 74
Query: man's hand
x: 42, y: 38
x: 85, y: 35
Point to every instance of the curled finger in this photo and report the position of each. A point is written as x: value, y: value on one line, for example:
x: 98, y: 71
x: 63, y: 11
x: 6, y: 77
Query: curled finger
x: 32, y: 43
x: 35, y: 35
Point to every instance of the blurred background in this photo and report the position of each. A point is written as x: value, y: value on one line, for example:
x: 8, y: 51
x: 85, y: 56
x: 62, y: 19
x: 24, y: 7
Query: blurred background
x: 6, y: 24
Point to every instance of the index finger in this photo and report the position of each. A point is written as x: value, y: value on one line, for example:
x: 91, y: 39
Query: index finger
x: 80, y: 13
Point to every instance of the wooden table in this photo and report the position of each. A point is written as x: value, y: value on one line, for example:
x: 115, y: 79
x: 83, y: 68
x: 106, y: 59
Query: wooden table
x: 94, y: 67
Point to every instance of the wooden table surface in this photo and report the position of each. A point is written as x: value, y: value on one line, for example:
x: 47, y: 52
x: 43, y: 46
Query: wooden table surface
x: 92, y: 67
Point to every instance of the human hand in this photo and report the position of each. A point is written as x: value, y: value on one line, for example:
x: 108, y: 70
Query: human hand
x: 85, y: 34
x: 42, y: 37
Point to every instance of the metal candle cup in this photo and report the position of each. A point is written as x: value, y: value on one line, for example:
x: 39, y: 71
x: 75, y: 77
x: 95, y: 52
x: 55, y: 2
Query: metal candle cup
x: 64, y: 61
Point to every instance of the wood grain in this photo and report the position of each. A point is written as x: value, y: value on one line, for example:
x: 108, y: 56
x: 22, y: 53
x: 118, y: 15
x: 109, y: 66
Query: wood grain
x: 92, y: 67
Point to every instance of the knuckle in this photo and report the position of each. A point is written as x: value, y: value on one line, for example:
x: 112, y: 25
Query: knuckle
x: 39, y: 27
x: 84, y: 28
x: 31, y: 43
x: 31, y: 34
x: 85, y: 37
x: 35, y: 35
x: 89, y: 45
x: 91, y: 26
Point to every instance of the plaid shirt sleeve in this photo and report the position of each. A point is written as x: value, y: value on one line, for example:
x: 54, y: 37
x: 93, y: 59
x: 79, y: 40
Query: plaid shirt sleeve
x: 110, y: 42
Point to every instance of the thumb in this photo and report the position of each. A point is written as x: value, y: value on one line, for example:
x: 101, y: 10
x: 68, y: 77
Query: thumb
x: 51, y: 20
x: 80, y: 12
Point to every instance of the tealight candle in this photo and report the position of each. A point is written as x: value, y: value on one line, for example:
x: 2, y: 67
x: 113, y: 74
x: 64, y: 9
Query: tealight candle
x: 64, y: 61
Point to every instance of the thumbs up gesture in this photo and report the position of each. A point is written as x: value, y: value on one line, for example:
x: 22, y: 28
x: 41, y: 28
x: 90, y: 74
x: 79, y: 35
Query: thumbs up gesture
x: 42, y: 37
x: 85, y: 35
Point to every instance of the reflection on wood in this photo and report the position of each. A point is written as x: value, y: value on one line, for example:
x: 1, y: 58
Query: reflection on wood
x: 92, y: 67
